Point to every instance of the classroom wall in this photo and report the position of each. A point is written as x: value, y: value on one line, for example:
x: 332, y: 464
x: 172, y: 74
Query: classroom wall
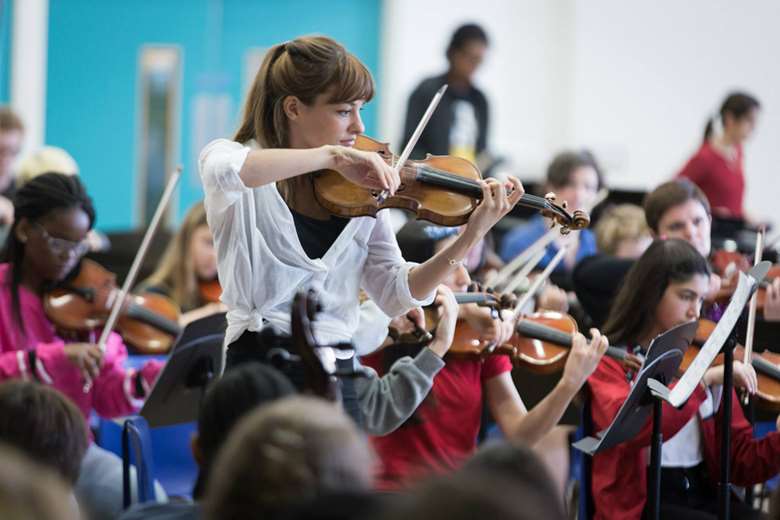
x: 648, y: 74
x: 92, y: 92
x: 634, y: 81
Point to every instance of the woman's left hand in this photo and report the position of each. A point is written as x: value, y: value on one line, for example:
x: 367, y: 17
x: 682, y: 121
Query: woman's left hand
x: 495, y: 204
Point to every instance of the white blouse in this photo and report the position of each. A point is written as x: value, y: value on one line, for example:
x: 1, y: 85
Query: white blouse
x: 262, y: 264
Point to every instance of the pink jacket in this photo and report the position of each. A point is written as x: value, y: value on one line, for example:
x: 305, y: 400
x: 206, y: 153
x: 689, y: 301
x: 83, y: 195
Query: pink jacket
x: 113, y: 393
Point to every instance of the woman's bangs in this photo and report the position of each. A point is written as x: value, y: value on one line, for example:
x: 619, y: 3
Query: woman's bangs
x: 351, y: 82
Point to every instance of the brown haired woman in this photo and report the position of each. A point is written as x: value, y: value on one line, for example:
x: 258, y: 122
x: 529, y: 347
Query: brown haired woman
x: 272, y: 236
x: 188, y: 265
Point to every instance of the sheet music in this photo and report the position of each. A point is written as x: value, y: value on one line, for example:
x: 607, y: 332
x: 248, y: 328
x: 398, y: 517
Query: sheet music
x: 688, y: 382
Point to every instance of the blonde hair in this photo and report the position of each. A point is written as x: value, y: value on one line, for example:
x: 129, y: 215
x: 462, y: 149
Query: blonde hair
x: 305, y: 68
x: 176, y: 271
x: 47, y: 159
x: 621, y: 222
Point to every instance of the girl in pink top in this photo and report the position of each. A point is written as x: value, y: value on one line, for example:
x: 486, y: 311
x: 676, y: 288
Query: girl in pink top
x: 45, y: 244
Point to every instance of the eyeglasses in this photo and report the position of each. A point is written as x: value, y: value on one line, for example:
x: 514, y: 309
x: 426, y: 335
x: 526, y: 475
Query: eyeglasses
x: 60, y: 246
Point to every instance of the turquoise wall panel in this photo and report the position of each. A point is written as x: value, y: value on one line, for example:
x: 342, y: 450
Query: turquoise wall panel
x: 92, y: 92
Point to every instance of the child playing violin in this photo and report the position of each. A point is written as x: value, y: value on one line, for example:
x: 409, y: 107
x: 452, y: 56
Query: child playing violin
x: 273, y: 237
x: 443, y: 431
x: 664, y: 288
x: 188, y: 269
x: 46, y: 242
x: 575, y: 178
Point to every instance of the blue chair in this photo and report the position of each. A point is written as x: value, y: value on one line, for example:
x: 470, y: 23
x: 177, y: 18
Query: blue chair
x: 137, y: 450
x: 174, y: 466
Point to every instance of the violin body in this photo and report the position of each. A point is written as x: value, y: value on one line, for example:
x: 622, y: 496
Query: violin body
x: 428, y: 202
x: 766, y: 365
x: 210, y: 291
x: 149, y: 323
x: 543, y: 357
x: 444, y: 190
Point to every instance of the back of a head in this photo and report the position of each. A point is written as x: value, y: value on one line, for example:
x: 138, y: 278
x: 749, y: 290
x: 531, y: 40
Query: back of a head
x: 476, y: 494
x: 521, y: 465
x: 292, y: 450
x: 228, y: 400
x: 620, y: 223
x: 29, y: 491
x: 45, y: 425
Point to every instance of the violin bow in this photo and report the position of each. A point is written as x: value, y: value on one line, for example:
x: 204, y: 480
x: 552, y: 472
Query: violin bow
x: 522, y: 275
x: 751, y: 324
x: 522, y: 302
x: 136, y: 265
x: 516, y: 263
x: 415, y: 136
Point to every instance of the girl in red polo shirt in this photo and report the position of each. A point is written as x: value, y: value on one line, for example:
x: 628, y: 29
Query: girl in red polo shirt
x: 717, y: 166
x: 443, y: 431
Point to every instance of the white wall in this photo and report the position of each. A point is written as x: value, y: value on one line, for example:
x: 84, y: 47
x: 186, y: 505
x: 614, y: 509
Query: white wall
x: 635, y: 81
x: 522, y: 76
x: 648, y: 74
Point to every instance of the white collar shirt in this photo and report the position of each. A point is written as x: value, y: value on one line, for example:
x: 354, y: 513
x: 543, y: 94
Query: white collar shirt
x: 262, y: 264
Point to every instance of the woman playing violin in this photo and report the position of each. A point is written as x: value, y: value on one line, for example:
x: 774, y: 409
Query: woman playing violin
x: 443, y: 431
x: 664, y: 288
x: 188, y: 270
x: 47, y: 240
x: 271, y: 234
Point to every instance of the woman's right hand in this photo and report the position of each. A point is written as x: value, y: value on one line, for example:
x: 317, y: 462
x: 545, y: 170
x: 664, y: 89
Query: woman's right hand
x: 448, y: 318
x: 365, y: 169
x: 87, y: 357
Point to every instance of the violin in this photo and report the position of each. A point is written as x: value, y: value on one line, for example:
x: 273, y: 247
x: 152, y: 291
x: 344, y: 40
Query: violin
x: 149, y: 323
x: 441, y: 189
x: 730, y: 285
x: 727, y: 263
x: 542, y: 342
x: 467, y: 335
x: 766, y: 365
x: 209, y: 291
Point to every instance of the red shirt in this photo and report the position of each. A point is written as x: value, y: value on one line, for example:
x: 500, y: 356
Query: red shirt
x: 442, y: 433
x: 619, y: 480
x: 721, y: 180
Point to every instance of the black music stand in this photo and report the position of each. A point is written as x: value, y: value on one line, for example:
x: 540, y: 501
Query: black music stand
x: 663, y: 360
x: 195, y: 361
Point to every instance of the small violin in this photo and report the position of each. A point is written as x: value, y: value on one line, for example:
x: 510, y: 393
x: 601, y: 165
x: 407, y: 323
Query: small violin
x: 494, y: 301
x: 210, y: 290
x: 542, y: 342
x: 441, y: 189
x: 149, y: 323
x: 766, y: 365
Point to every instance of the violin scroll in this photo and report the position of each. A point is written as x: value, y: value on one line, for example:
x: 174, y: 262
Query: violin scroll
x: 561, y: 216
